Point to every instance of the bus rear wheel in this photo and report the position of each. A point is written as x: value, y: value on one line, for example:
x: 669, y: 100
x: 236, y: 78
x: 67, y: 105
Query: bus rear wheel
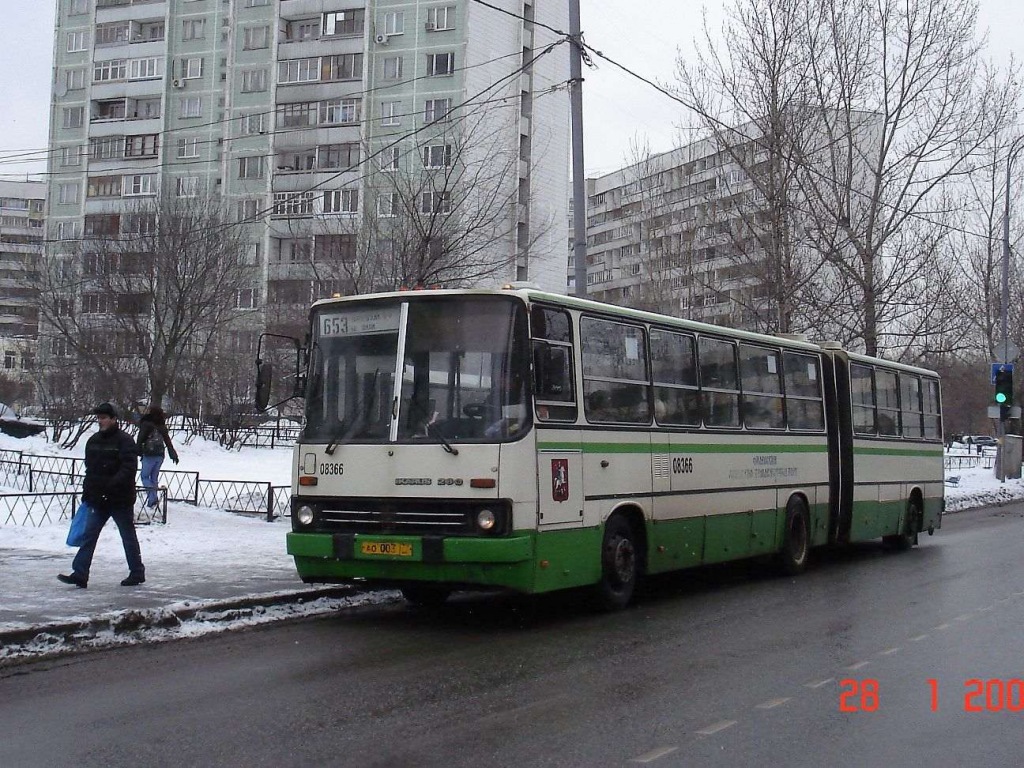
x: 620, y: 565
x: 907, y: 538
x: 425, y: 595
x: 796, y: 538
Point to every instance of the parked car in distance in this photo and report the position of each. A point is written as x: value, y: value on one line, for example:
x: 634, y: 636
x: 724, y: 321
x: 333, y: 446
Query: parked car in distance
x: 984, y: 440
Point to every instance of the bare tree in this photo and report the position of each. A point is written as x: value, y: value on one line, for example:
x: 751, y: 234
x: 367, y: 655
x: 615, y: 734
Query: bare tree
x: 906, y: 107
x: 140, y: 299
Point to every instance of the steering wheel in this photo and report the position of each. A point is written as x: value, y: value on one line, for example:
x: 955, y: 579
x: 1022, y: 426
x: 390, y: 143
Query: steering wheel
x: 475, y: 410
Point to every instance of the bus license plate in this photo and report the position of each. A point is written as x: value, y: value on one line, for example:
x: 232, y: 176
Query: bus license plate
x: 385, y: 548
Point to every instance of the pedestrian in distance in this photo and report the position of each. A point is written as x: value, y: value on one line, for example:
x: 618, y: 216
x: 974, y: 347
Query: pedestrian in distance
x: 109, y: 488
x: 153, y: 438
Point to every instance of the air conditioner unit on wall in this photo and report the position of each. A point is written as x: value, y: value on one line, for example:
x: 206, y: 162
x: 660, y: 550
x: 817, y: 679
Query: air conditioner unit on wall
x: 380, y: 38
x: 178, y: 83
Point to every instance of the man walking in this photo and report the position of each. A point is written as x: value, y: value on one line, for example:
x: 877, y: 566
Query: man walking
x: 109, y: 488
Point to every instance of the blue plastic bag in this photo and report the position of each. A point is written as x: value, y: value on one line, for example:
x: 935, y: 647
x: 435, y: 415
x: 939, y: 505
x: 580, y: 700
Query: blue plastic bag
x: 79, y: 524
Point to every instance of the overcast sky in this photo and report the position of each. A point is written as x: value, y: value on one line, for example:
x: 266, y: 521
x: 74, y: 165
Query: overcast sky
x: 644, y: 35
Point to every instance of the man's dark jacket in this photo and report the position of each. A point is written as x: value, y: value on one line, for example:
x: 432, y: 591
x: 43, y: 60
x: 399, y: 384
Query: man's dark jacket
x: 110, y: 467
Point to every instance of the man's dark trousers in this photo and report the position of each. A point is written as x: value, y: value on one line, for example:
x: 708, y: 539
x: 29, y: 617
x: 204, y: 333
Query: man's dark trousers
x: 124, y: 518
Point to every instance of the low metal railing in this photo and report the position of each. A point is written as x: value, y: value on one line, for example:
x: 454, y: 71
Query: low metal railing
x: 42, y: 507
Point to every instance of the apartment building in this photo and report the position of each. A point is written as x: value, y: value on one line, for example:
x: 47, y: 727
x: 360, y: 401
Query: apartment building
x: 685, y: 232
x: 22, y: 207
x: 329, y: 128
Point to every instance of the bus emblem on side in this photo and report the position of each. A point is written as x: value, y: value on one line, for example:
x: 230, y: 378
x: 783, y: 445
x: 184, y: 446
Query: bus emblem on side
x: 560, y: 479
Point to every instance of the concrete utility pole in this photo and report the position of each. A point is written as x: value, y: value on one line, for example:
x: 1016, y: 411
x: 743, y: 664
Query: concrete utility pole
x: 1005, y: 303
x: 579, y: 187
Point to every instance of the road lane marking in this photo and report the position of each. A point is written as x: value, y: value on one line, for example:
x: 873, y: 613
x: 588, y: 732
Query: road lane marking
x: 942, y: 626
x: 654, y: 754
x: 963, y: 617
x: 918, y: 638
x: 889, y: 651
x: 774, y: 703
x: 986, y: 608
x: 819, y: 683
x: 721, y: 725
x: 858, y: 665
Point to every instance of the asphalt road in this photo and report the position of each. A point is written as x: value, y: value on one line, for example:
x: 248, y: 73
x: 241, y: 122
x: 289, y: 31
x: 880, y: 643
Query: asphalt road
x: 729, y: 666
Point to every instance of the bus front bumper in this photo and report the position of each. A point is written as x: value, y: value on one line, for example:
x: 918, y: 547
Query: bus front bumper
x: 507, y: 562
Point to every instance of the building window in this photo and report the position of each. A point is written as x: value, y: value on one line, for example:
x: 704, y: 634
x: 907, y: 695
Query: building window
x: 394, y: 22
x: 192, y: 68
x: 245, y: 298
x: 254, y: 81
x: 293, y: 203
x: 78, y: 7
x: 435, y: 202
x: 187, y: 186
x: 76, y: 42
x: 302, y: 29
x: 145, y: 69
x: 440, y: 64
x: 389, y: 158
x: 253, y: 124
x: 139, y: 184
x: 190, y: 106
x: 441, y: 18
x: 346, y: 66
x: 70, y: 156
x: 247, y: 210
x: 104, y: 186
x: 193, y: 29
x: 341, y: 201
x: 74, y: 79
x: 339, y: 111
x: 73, y: 117
x: 393, y: 68
x: 10, y: 360
x: 334, y: 248
x: 437, y: 156
x: 387, y: 204
x: 436, y: 109
x: 188, y: 147
x: 391, y: 113
x: 300, y: 115
x: 113, y: 69
x: 113, y: 34
x: 254, y: 38
x: 348, y: 22
x: 256, y: 3
x: 298, y: 70
x: 146, y: 145
x: 338, y: 155
x: 106, y: 147
x: 250, y: 167
x: 67, y: 194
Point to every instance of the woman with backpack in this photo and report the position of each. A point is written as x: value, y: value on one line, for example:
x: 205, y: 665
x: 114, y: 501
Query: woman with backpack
x: 153, y: 436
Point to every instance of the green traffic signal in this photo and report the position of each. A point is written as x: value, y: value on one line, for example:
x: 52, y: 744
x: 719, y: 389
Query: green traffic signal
x: 1004, y: 387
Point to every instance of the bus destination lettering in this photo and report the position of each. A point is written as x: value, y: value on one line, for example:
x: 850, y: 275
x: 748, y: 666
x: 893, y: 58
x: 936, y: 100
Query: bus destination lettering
x: 360, y: 322
x: 763, y: 467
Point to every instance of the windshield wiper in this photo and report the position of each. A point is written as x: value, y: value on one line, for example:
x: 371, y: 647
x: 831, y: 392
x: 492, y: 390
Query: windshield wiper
x: 360, y: 418
x: 417, y: 407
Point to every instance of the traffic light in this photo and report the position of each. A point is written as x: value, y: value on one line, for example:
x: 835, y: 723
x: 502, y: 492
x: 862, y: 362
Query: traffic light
x: 1004, y: 387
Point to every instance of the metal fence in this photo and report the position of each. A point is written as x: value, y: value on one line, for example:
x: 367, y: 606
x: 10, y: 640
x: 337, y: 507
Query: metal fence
x: 252, y: 437
x: 39, y: 508
x: 246, y: 496
x: 968, y: 462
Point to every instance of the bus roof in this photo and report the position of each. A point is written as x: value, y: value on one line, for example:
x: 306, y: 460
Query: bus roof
x: 573, y: 302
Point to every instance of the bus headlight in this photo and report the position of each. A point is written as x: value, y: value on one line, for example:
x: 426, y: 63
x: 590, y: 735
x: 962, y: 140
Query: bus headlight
x: 304, y: 515
x: 486, y: 520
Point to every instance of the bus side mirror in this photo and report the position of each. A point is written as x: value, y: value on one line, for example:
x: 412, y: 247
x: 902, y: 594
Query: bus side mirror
x: 264, y: 380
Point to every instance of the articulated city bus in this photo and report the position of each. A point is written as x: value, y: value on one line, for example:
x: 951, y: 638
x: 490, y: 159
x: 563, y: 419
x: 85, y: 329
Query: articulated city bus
x: 528, y: 441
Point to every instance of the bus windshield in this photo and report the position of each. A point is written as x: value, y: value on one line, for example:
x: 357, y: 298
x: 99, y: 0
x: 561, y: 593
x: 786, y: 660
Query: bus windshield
x: 463, y: 371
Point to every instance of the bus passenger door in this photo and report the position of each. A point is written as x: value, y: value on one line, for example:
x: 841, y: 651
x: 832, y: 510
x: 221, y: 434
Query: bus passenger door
x: 560, y: 480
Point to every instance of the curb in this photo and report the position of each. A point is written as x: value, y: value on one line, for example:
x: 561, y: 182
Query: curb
x: 133, y: 620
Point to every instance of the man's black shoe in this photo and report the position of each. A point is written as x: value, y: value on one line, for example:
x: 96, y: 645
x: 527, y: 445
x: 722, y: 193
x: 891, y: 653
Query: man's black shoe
x: 133, y: 581
x: 75, y: 579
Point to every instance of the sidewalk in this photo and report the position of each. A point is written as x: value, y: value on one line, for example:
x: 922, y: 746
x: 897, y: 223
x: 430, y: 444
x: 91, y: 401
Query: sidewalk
x: 206, y: 570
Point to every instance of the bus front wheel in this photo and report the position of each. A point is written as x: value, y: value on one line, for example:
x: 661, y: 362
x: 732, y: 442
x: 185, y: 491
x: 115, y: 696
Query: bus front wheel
x: 620, y: 565
x: 796, y: 537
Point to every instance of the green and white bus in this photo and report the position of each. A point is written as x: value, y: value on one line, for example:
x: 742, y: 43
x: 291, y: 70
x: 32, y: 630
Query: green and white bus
x: 516, y: 439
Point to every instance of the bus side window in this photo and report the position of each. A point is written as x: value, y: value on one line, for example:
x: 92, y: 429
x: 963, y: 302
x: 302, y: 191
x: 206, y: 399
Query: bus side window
x: 552, y: 384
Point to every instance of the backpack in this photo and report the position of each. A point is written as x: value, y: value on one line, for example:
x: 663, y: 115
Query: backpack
x: 154, y: 444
